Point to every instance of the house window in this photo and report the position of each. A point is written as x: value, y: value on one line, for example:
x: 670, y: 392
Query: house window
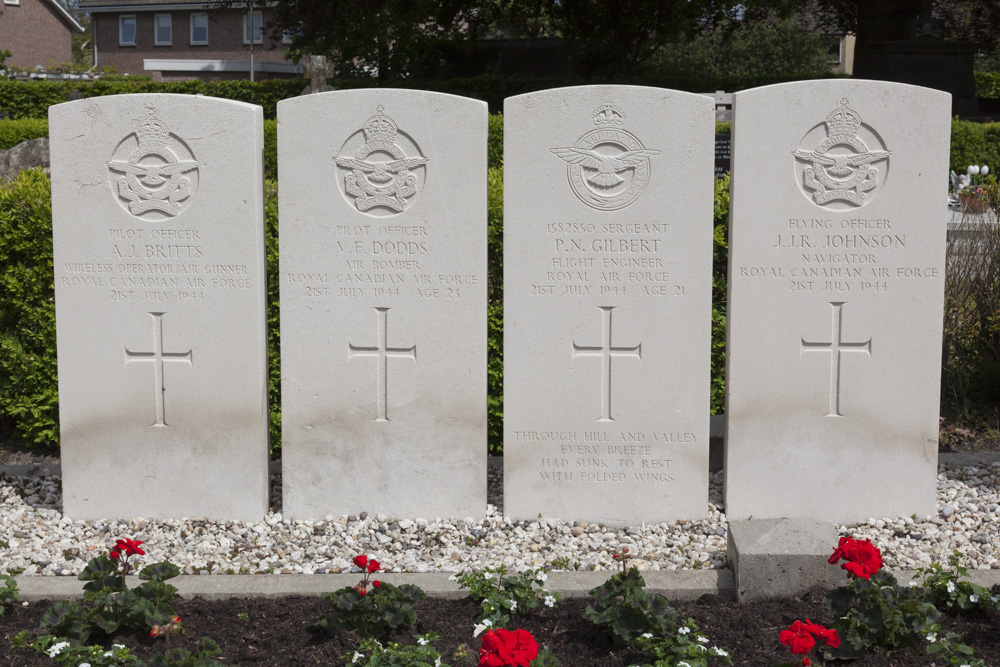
x: 252, y: 27
x: 164, y: 29
x: 199, y: 28
x: 126, y: 30
x: 286, y: 37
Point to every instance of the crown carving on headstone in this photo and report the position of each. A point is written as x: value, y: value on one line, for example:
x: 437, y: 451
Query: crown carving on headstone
x: 843, y: 121
x: 379, y: 127
x: 152, y: 132
x: 608, y: 115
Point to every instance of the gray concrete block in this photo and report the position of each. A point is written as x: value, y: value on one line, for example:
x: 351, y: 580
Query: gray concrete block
x: 776, y: 558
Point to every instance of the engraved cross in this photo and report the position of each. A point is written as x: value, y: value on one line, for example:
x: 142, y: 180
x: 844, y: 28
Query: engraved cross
x: 606, y: 351
x: 835, y: 347
x: 381, y: 351
x: 158, y: 357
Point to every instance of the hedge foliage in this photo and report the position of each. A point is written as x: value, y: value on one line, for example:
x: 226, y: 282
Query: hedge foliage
x: 13, y: 132
x: 988, y: 84
x: 31, y: 99
x: 974, y: 143
x: 29, y: 404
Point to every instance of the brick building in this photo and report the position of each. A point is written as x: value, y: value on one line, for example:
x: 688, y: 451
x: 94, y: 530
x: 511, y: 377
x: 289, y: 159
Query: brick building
x: 37, y: 32
x: 171, y: 41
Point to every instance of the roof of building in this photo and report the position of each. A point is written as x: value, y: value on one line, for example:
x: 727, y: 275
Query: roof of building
x: 64, y: 13
x: 113, y: 5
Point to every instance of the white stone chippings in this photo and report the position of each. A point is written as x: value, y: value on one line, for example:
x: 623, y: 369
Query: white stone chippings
x: 41, y: 541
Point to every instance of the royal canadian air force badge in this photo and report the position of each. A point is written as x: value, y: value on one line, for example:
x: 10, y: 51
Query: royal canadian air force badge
x: 608, y: 168
x: 380, y: 170
x: 842, y: 167
x: 156, y: 172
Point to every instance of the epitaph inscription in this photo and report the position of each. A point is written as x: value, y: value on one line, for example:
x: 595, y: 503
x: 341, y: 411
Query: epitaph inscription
x: 608, y: 168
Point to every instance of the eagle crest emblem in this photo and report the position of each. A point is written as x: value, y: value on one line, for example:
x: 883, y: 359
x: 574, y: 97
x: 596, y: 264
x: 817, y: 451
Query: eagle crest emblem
x: 380, y: 172
x: 608, y: 168
x: 843, y: 167
x: 156, y: 172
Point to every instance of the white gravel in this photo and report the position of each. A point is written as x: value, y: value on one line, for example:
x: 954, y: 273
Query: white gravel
x: 36, y: 538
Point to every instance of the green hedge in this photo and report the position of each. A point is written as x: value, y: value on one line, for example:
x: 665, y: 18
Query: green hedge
x: 29, y: 405
x: 31, y: 99
x: 988, y: 84
x: 13, y: 132
x: 974, y: 143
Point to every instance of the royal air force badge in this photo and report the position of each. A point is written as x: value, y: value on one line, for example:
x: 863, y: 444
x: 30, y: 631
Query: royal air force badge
x: 842, y: 167
x: 156, y: 171
x: 608, y: 168
x: 381, y: 173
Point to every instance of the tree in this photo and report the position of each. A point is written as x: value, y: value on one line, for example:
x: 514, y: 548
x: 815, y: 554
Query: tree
x: 383, y: 38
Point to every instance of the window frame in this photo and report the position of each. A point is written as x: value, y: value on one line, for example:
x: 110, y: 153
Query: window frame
x: 156, y: 29
x: 121, y: 23
x: 12, y: 2
x: 191, y: 31
x: 248, y: 27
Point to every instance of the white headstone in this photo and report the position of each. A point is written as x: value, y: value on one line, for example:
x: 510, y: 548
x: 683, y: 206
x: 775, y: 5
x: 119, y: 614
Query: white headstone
x: 157, y: 211
x: 383, y: 303
x: 607, y: 303
x: 836, y: 281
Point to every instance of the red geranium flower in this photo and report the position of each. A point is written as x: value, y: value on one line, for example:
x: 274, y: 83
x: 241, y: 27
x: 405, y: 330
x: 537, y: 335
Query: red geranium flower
x: 373, y: 566
x: 361, y: 561
x: 130, y: 547
x: 797, y: 639
x: 114, y: 554
x: 376, y: 583
x: 801, y: 638
x: 863, y: 558
x: 506, y: 648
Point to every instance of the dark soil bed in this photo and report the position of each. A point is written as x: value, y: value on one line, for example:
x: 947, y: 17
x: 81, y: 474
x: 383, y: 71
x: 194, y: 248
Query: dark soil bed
x: 278, y: 632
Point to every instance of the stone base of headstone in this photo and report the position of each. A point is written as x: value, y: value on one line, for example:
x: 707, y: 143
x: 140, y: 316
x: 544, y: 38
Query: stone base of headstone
x: 779, y: 558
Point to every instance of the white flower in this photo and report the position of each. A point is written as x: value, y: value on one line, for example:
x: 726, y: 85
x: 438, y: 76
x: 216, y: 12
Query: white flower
x: 703, y: 640
x: 932, y: 637
x: 912, y: 584
x: 683, y: 664
x: 541, y: 576
x: 719, y: 652
x: 700, y: 646
x: 437, y: 661
x: 683, y: 630
x: 951, y: 587
x: 973, y: 599
x: 513, y: 605
x: 486, y: 575
x: 487, y: 622
x: 357, y: 656
x: 118, y: 646
x: 57, y: 649
x: 422, y: 641
x: 647, y: 635
x: 476, y: 631
x: 84, y: 664
x: 550, y: 601
x: 109, y: 654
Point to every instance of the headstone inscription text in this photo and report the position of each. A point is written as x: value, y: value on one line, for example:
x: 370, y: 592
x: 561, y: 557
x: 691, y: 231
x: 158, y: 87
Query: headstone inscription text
x: 836, y: 281
x: 159, y: 275
x: 383, y: 293
x: 606, y: 304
